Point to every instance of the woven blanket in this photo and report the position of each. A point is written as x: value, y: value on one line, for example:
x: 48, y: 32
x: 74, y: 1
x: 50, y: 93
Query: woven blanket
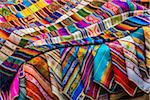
x: 74, y: 49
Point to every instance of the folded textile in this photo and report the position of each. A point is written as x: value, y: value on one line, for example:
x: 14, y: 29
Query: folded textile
x: 73, y: 49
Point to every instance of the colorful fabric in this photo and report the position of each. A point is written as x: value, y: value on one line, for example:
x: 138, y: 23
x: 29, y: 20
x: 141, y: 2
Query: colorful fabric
x: 74, y: 49
x: 103, y: 72
x: 132, y: 64
x: 119, y: 68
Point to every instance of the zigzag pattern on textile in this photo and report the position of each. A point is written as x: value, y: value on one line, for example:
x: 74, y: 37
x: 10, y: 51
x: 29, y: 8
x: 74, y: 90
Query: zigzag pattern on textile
x: 73, y: 49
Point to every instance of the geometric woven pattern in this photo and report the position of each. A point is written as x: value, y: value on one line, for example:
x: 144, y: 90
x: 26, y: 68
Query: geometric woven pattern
x: 74, y: 49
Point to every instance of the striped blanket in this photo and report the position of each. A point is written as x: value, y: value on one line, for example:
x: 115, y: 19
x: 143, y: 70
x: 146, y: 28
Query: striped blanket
x: 74, y: 49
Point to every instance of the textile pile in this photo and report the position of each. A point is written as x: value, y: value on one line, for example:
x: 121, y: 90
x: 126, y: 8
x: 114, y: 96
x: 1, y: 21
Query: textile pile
x: 74, y: 49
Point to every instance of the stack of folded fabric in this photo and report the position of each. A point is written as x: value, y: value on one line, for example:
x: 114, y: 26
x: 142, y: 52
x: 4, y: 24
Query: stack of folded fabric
x: 74, y: 49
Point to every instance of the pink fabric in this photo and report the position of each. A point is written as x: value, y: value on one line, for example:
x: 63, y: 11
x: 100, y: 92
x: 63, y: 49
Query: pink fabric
x: 14, y: 88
